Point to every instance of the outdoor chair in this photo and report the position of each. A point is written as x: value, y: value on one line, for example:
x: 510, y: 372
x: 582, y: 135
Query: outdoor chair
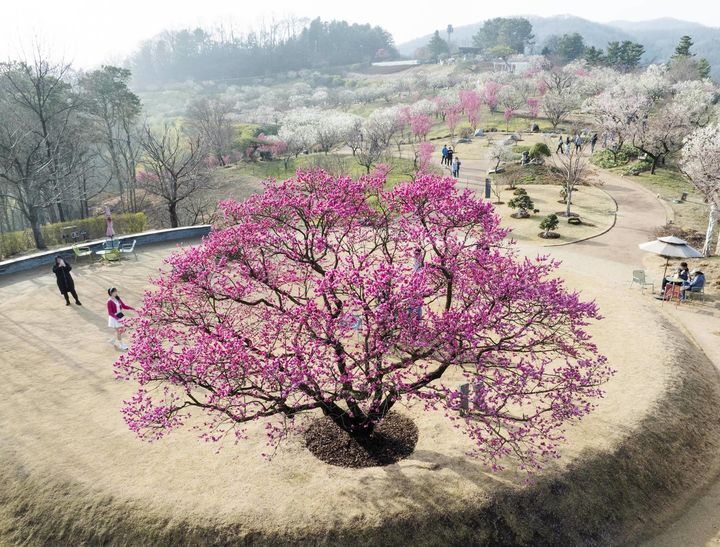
x: 640, y: 279
x: 128, y: 248
x: 80, y: 252
x: 692, y: 294
x: 111, y: 244
x: 112, y: 255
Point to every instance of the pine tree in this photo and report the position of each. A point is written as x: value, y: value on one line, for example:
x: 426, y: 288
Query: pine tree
x: 594, y: 56
x: 703, y: 67
x: 683, y: 47
x: 437, y: 46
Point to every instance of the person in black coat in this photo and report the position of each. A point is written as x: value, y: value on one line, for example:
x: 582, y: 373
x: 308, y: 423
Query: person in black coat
x: 64, y: 280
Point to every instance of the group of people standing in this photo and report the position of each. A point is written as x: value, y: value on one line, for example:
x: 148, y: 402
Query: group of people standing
x: 564, y: 144
x: 452, y: 161
x: 115, y: 305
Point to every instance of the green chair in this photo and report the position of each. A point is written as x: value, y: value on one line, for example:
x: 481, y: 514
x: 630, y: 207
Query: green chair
x: 80, y: 252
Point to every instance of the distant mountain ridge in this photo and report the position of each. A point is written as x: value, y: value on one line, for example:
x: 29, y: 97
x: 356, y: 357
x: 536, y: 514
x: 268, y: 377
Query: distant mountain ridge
x: 659, y: 36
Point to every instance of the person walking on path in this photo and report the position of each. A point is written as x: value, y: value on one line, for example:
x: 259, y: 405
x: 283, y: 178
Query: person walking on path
x: 65, y: 282
x: 559, y: 149
x: 115, y: 307
x: 449, y: 157
x: 593, y: 142
x: 456, y: 167
x: 444, y: 154
x: 578, y: 142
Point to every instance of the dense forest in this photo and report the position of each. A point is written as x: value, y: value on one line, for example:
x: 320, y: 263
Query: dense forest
x: 288, y: 45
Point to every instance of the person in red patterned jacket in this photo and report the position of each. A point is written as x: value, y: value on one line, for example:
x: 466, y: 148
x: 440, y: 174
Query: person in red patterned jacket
x: 115, y: 307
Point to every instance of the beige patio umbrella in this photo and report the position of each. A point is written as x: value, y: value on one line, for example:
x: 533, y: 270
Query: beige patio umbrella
x: 670, y: 247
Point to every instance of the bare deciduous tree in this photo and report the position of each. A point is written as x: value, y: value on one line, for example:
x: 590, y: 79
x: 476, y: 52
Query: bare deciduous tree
x: 38, y: 159
x: 174, y: 167
x: 210, y: 119
x: 571, y: 169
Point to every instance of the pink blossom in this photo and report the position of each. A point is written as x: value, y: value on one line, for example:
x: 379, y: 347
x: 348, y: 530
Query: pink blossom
x: 533, y: 107
x: 420, y: 125
x: 490, y: 94
x: 305, y: 298
x: 424, y: 155
x: 471, y: 102
x: 542, y: 87
x: 452, y: 117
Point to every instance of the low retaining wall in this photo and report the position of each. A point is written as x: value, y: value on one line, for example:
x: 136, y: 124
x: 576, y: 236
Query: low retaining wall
x: 29, y: 262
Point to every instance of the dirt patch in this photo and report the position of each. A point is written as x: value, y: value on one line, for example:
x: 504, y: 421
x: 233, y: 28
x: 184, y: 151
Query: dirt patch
x: 393, y: 439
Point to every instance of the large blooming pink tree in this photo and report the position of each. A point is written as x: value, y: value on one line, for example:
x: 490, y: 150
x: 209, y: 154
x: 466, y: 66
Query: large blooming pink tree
x: 336, y: 296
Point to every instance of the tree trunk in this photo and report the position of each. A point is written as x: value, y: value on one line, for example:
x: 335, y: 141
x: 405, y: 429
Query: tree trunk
x: 568, y: 202
x: 654, y: 165
x: 61, y: 211
x: 712, y: 222
x: 37, y: 233
x: 172, y: 209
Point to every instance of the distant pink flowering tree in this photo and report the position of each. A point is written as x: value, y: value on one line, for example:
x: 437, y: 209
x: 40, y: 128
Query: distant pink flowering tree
x: 533, y: 107
x: 508, y: 114
x: 490, y: 95
x: 471, y: 102
x: 423, y: 157
x: 542, y: 87
x: 272, y: 145
x: 332, y: 294
x: 420, y: 125
x: 452, y: 117
x: 441, y: 106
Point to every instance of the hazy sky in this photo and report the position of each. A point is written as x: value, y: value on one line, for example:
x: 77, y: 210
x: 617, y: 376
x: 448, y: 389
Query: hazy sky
x: 91, y: 32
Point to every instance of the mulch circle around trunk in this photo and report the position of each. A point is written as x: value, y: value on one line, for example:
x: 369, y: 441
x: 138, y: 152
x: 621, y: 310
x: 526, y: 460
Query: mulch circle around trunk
x: 394, y: 439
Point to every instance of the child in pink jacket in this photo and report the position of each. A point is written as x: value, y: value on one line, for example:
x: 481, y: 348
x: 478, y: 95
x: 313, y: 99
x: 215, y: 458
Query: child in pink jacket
x: 115, y: 306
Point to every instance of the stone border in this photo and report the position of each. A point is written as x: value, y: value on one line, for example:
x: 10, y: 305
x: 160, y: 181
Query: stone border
x: 614, y: 222
x: 29, y: 262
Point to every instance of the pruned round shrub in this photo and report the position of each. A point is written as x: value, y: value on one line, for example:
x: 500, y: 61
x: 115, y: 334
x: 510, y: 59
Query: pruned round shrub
x: 539, y: 150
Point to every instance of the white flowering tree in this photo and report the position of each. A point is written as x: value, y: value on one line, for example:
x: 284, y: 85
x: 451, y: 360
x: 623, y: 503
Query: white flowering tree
x: 617, y: 110
x: 332, y: 128
x: 377, y: 133
x: 660, y: 133
x: 701, y: 162
x: 557, y: 105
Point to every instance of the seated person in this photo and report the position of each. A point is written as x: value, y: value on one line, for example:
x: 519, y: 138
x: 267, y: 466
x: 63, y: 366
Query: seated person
x: 696, y: 283
x: 682, y: 272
